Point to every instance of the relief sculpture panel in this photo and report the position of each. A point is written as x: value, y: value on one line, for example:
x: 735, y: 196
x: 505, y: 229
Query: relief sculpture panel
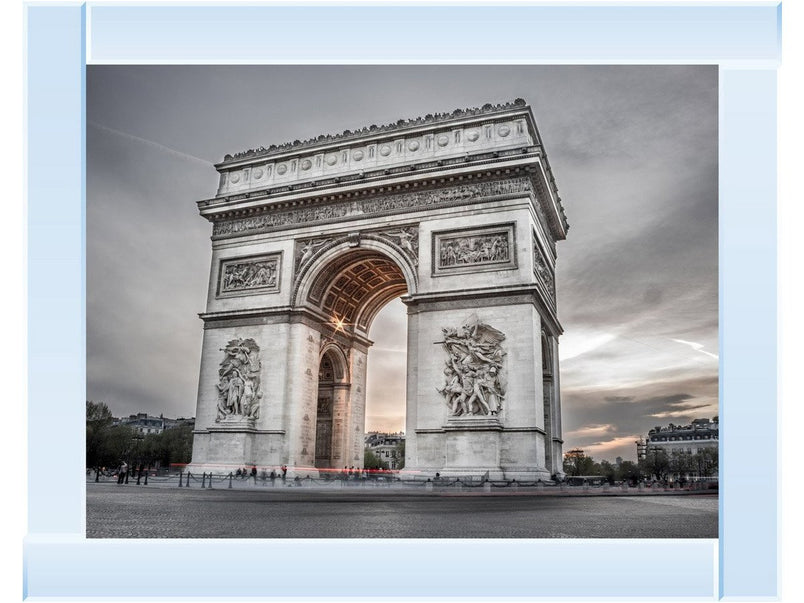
x: 258, y: 274
x: 474, y: 376
x: 470, y: 250
x: 543, y: 272
x: 238, y: 384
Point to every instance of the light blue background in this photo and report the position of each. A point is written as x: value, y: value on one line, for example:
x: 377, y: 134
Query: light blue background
x: 743, y: 39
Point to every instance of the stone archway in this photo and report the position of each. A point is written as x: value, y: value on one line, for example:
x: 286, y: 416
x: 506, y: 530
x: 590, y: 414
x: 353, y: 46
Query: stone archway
x: 346, y: 283
x: 456, y: 213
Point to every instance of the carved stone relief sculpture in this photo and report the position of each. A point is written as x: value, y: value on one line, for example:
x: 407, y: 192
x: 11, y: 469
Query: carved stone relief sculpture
x: 472, y: 249
x: 306, y: 249
x: 474, y: 375
x: 543, y: 272
x: 374, y: 205
x: 249, y: 274
x: 405, y: 239
x: 238, y: 384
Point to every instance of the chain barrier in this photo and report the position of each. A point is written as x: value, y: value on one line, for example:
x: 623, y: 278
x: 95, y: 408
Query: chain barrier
x: 207, y: 479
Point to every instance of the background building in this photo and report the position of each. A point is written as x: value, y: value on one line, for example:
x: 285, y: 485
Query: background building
x: 692, y: 438
x: 387, y: 447
x: 145, y: 424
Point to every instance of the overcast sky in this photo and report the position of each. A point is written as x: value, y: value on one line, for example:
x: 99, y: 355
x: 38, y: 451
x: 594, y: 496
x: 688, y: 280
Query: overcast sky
x: 634, y: 153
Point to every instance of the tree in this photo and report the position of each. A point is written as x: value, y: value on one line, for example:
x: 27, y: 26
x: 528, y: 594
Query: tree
x: 169, y: 447
x: 400, y: 455
x: 706, y: 461
x: 98, y: 419
x: 106, y: 444
x: 630, y: 472
x: 608, y: 471
x: 681, y: 463
x: 656, y: 463
x: 577, y: 463
x: 372, y: 461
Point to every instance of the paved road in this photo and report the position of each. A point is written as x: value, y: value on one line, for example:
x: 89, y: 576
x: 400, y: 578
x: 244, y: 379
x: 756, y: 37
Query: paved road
x: 143, y: 512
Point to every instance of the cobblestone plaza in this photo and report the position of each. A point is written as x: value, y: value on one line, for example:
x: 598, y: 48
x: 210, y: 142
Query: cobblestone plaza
x: 129, y: 511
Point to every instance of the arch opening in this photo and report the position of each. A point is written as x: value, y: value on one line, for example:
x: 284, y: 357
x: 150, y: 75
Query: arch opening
x: 349, y: 291
x: 353, y: 288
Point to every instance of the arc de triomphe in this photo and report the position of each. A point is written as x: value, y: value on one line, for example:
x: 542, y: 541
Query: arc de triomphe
x: 456, y: 213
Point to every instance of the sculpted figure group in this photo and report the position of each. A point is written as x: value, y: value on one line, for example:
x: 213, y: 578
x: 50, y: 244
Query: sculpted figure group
x: 474, y: 377
x: 239, y: 384
x: 474, y: 250
x: 249, y: 275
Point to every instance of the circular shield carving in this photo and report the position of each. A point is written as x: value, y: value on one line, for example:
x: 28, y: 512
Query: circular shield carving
x: 413, y: 145
x: 331, y: 159
x: 306, y: 164
x: 503, y: 130
x: 385, y: 150
x: 442, y: 140
x: 281, y: 168
x: 473, y: 135
x: 258, y: 173
x: 235, y: 178
x: 357, y: 155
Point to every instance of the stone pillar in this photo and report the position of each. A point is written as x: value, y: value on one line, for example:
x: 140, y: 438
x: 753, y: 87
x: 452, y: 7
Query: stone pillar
x: 301, y: 397
x: 557, y: 433
x: 509, y: 443
x: 355, y: 423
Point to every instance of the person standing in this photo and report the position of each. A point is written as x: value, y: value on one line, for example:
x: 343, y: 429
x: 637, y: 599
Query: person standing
x: 121, y: 474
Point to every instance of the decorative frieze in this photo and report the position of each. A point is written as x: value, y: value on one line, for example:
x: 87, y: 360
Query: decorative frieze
x: 470, y: 250
x: 253, y: 274
x: 375, y: 205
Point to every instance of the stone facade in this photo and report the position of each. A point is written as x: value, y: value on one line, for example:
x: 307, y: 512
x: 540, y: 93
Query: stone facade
x: 456, y: 213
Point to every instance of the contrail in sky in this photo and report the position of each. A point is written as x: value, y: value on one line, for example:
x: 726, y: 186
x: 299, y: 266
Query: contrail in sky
x: 161, y: 147
x: 697, y: 347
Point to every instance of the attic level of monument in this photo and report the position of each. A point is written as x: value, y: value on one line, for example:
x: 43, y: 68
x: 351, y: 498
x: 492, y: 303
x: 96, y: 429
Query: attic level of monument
x: 491, y: 141
x: 403, y: 125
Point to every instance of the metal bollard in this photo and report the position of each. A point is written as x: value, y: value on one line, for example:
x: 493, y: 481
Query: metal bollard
x: 181, y: 476
x: 203, y: 480
x: 97, y: 474
x: 230, y: 479
x: 188, y: 480
x: 139, y: 475
x: 210, y: 481
x: 146, y: 477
